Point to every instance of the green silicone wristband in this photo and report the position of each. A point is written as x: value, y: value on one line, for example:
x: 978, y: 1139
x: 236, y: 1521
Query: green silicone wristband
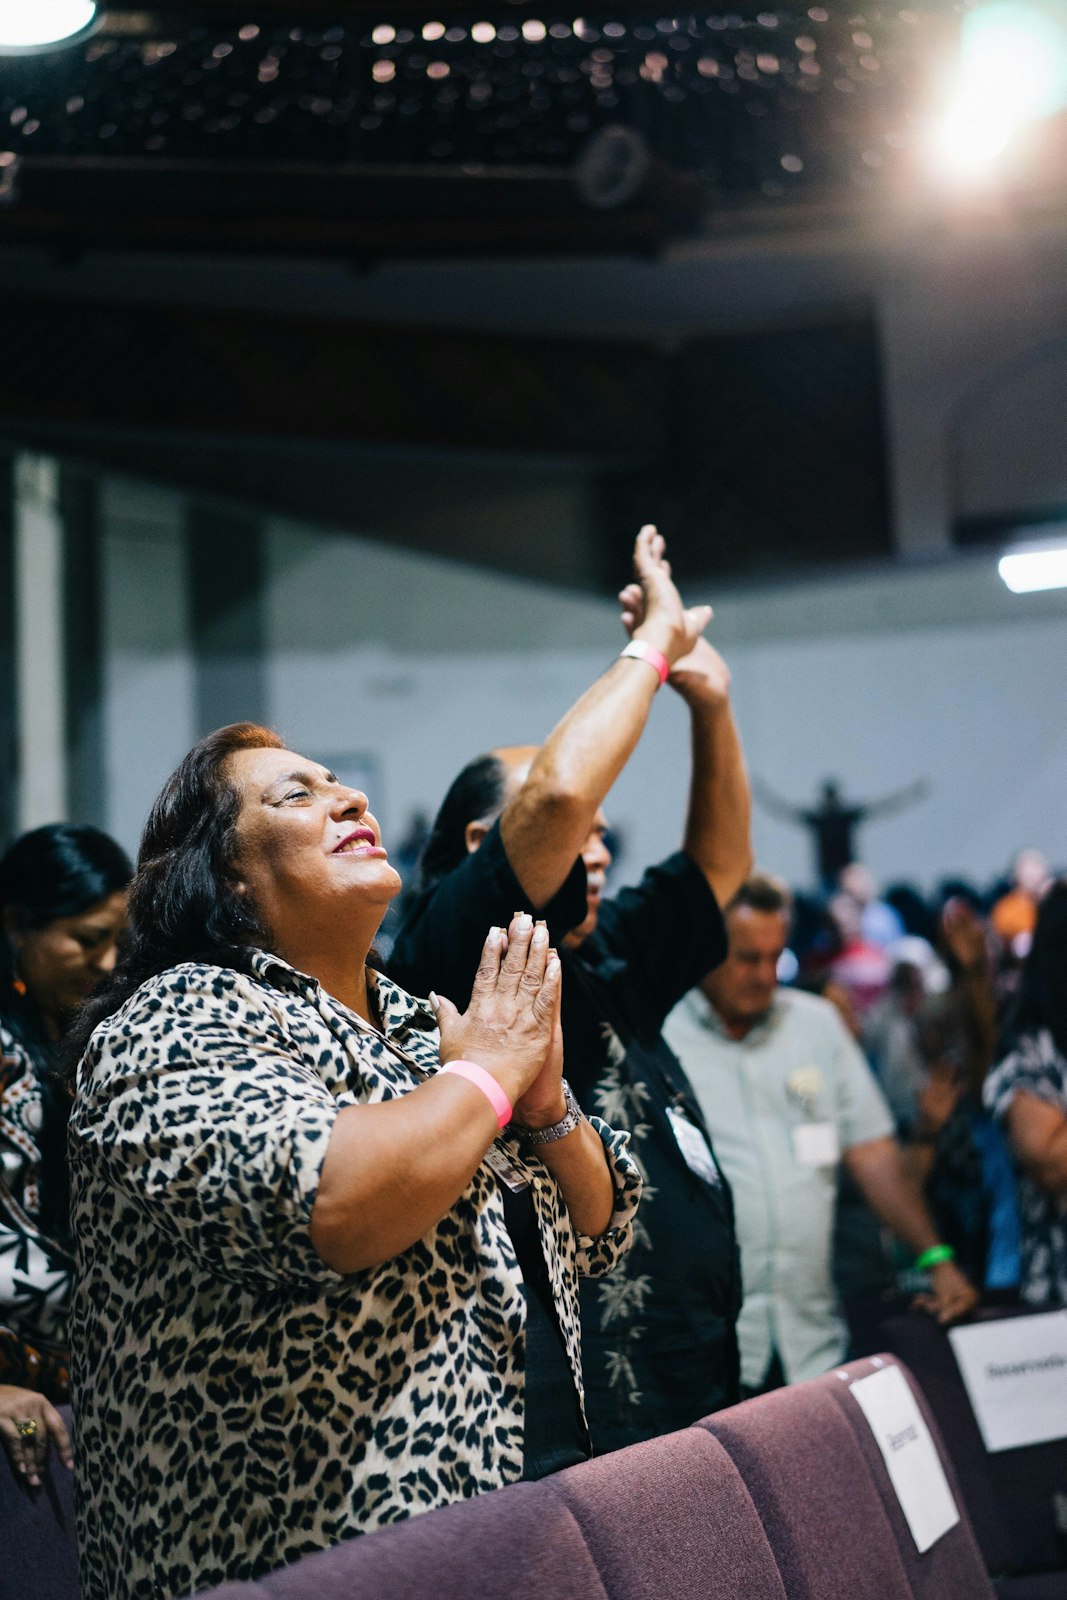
x: 934, y: 1256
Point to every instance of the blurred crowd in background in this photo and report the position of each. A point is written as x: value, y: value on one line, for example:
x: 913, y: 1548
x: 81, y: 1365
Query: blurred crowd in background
x: 929, y: 985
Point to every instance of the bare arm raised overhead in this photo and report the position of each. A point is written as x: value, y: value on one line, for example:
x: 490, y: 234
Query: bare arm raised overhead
x: 718, y: 824
x: 547, y: 821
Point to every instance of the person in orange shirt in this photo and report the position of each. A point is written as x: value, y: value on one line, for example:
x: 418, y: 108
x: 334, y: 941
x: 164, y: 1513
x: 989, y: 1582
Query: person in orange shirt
x: 1015, y: 914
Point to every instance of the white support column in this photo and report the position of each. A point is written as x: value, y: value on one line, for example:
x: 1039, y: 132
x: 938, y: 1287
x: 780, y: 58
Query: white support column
x: 149, y: 666
x: 39, y: 643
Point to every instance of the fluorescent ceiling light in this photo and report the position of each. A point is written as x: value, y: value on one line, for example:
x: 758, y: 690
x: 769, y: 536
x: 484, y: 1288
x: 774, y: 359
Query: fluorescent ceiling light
x: 1034, y: 567
x: 29, y: 24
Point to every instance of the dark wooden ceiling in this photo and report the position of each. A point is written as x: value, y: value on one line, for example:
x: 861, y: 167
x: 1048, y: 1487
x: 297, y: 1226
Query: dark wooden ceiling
x: 755, y: 452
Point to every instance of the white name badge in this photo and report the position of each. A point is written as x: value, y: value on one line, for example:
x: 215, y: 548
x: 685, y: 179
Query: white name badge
x: 815, y: 1144
x: 498, y: 1161
x: 909, y: 1453
x: 693, y: 1145
x: 1015, y: 1374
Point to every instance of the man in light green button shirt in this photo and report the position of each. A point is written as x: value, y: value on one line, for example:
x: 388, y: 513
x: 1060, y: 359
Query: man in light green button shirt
x: 788, y: 1097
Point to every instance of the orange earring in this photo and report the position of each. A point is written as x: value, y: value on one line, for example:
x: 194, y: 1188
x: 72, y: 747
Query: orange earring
x: 18, y: 986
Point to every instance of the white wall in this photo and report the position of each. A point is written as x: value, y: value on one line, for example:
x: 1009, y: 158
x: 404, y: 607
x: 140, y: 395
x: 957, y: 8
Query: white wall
x: 964, y: 319
x: 405, y: 667
x: 979, y: 711
x: 414, y: 663
x: 1009, y: 435
x: 39, y: 652
x: 419, y: 665
x: 148, y: 668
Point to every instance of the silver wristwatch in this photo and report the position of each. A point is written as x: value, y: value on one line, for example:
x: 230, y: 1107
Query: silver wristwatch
x: 558, y: 1130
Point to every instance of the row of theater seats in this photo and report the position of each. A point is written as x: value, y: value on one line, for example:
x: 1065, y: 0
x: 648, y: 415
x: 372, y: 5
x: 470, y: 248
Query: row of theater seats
x: 1016, y: 1499
x: 785, y: 1497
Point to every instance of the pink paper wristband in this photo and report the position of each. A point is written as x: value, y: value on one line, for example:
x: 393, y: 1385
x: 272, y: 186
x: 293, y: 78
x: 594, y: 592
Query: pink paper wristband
x: 648, y: 652
x: 487, y: 1084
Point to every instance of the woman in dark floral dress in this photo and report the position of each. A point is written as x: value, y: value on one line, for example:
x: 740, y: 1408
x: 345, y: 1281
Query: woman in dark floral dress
x: 1028, y: 1093
x: 63, y: 902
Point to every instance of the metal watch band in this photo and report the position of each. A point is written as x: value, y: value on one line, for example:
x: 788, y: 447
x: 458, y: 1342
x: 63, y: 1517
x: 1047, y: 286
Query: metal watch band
x: 558, y: 1130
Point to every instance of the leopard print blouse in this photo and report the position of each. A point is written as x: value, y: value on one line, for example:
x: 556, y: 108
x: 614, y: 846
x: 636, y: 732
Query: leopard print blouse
x: 237, y: 1402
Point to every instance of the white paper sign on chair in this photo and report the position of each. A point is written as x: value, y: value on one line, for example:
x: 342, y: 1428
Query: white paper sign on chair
x: 909, y: 1453
x: 1015, y: 1374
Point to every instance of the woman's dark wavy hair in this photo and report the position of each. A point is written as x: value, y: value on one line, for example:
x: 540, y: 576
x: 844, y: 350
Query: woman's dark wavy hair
x: 475, y: 796
x: 60, y: 870
x: 1042, y: 998
x: 184, y: 900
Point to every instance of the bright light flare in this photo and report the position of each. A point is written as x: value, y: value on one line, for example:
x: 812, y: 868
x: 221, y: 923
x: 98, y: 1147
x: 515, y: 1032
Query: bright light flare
x: 28, y: 24
x: 1012, y: 72
x: 1030, y: 569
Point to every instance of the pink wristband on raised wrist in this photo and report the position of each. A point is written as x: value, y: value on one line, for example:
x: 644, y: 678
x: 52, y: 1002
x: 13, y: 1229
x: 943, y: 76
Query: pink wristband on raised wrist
x: 648, y: 652
x: 487, y: 1084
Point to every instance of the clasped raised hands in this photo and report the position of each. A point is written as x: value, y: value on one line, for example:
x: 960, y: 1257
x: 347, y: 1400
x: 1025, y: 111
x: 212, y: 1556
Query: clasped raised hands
x: 511, y: 1024
x: 652, y: 610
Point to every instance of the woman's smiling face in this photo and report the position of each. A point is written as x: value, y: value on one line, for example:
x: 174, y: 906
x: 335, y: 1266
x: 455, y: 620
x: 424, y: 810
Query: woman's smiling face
x: 308, y: 850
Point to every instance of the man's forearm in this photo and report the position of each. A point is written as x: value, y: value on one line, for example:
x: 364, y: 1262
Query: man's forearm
x: 1037, y: 1131
x: 580, y: 1167
x: 588, y: 748
x: 878, y: 1168
x: 719, y: 822
x: 545, y: 825
x: 980, y: 1020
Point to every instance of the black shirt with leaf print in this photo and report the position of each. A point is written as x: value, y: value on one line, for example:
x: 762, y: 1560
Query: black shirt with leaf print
x: 658, y: 1341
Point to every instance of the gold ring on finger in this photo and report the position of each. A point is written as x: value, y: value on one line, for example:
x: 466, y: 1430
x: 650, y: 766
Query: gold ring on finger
x: 26, y: 1428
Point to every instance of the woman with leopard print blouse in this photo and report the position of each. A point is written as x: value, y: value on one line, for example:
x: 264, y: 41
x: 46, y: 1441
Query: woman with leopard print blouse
x: 326, y: 1275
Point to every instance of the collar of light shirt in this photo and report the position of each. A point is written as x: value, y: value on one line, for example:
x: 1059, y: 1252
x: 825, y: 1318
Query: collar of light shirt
x: 703, y: 1012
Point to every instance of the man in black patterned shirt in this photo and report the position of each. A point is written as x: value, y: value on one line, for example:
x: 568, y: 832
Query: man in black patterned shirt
x: 524, y: 828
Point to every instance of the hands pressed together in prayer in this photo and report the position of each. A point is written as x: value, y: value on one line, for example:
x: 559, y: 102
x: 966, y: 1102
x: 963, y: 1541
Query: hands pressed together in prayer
x: 512, y: 1025
x: 512, y: 1029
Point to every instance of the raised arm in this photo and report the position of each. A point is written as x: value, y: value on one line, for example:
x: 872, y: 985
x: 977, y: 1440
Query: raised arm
x: 1037, y: 1133
x: 878, y: 1168
x: 776, y: 806
x: 718, y: 833
x: 545, y: 824
x: 899, y: 800
x: 718, y: 829
x: 964, y: 933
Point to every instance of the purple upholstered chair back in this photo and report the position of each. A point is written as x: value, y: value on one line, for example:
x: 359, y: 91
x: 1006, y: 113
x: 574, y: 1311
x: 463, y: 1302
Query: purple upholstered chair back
x: 952, y: 1569
x: 38, y: 1551
x: 1032, y: 1586
x: 1016, y: 1499
x: 671, y: 1520
x: 520, y: 1543
x: 813, y: 1490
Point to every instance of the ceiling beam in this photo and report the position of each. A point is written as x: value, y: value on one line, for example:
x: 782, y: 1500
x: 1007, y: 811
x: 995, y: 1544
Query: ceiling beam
x: 244, y: 374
